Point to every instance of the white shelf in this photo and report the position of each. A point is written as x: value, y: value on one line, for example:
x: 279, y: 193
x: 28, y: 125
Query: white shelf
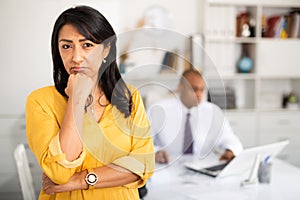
x: 279, y: 40
x: 266, y: 3
x: 280, y: 3
x: 279, y: 110
x: 236, y: 76
x: 277, y: 77
x: 259, y: 117
x: 230, y: 40
x: 252, y: 40
x: 233, y: 2
x: 275, y: 60
x: 240, y: 76
x: 243, y: 110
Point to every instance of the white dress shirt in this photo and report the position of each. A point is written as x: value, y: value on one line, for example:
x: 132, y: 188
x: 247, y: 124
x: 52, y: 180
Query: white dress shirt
x: 210, y: 129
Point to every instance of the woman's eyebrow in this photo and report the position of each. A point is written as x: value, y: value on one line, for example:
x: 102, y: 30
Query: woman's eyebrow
x: 66, y: 40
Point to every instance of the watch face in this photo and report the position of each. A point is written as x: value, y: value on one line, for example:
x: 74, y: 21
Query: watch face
x: 91, y: 178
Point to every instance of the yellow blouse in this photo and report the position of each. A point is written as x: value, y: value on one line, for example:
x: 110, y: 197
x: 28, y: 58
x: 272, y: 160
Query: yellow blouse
x: 125, y: 142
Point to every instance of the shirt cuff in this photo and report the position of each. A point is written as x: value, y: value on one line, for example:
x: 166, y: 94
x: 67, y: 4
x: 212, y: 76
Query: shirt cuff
x: 236, y: 149
x: 131, y: 164
x: 60, y: 157
x: 137, y: 167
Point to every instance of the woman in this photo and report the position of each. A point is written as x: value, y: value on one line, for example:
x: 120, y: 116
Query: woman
x: 90, y: 132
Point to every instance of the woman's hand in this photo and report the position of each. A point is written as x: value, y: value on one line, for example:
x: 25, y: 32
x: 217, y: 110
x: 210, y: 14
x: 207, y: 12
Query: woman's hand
x: 76, y: 182
x: 79, y: 86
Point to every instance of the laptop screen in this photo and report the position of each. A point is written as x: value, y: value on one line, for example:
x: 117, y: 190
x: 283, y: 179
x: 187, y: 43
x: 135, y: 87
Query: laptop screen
x: 241, y: 164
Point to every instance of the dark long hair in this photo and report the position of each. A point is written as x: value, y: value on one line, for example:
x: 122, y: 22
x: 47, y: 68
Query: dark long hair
x: 95, y: 27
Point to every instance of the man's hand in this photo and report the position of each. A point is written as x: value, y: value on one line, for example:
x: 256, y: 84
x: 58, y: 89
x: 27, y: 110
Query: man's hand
x: 228, y: 155
x: 162, y: 157
x: 76, y: 182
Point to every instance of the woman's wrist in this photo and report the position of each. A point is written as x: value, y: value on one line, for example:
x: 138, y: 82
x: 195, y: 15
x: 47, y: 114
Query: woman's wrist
x: 82, y: 182
x: 78, y: 101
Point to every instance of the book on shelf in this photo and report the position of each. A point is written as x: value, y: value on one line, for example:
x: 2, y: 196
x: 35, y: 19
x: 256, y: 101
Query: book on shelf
x: 273, y: 25
x: 295, y: 23
x: 283, y: 26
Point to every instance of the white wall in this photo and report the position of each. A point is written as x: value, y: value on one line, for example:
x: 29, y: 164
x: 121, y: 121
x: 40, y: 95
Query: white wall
x: 184, y: 16
x: 183, y: 22
x: 25, y: 47
x: 26, y: 30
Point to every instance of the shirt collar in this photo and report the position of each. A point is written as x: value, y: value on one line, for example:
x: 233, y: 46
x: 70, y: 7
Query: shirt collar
x: 192, y: 110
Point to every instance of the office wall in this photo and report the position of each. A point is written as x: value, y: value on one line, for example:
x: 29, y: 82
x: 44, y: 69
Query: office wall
x: 184, y: 15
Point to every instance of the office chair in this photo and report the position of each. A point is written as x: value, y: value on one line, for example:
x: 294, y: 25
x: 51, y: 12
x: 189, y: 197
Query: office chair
x: 24, y: 173
x: 142, y: 192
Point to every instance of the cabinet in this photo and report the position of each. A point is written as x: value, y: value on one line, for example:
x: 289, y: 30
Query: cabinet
x: 274, y: 73
x: 244, y: 125
x: 281, y: 126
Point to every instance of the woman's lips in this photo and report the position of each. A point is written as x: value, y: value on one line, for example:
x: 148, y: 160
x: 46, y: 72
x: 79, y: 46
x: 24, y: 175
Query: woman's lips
x: 76, y: 69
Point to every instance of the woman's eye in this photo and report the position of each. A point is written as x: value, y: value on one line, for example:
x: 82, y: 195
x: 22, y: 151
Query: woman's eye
x: 87, y: 45
x: 66, y: 46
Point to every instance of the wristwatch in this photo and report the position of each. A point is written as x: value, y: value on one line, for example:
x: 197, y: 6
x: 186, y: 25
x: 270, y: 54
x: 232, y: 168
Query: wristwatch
x: 91, y: 179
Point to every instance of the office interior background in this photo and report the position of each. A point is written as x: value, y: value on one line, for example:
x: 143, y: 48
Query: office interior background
x: 262, y: 96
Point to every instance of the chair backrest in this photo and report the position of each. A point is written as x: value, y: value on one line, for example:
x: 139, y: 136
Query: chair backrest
x: 24, y: 173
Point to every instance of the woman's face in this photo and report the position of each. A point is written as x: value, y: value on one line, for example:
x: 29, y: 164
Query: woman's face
x: 80, y: 55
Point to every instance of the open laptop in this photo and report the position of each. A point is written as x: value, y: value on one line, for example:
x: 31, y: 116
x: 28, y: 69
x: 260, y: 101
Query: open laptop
x: 241, y: 164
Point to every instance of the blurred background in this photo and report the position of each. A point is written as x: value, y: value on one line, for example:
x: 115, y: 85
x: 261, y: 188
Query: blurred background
x: 253, y: 50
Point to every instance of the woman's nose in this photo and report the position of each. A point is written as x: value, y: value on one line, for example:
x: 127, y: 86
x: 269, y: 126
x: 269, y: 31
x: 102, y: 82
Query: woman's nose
x: 78, y: 55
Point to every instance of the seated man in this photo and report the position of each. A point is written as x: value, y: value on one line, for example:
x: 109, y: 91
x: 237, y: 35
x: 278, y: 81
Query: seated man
x: 190, y: 125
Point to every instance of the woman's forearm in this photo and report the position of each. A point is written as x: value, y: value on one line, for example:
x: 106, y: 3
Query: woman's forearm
x: 108, y: 176
x: 78, y: 89
x: 70, y: 133
x: 113, y: 175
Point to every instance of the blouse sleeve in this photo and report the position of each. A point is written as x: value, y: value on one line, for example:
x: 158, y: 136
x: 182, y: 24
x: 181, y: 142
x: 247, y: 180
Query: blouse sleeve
x: 140, y: 160
x: 42, y: 128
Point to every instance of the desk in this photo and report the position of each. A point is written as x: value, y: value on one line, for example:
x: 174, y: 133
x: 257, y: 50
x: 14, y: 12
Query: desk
x: 178, y: 183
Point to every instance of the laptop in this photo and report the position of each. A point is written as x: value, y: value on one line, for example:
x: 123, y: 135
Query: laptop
x: 241, y: 164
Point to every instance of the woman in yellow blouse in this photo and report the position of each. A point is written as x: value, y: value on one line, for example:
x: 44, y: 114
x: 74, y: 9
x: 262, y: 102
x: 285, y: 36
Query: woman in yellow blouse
x: 89, y: 132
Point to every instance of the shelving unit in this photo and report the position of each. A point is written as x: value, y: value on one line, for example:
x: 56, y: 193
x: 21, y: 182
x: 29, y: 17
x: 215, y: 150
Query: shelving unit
x: 273, y: 58
x: 275, y: 69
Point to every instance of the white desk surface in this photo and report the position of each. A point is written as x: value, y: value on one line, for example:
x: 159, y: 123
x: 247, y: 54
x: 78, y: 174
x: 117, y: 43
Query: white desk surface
x: 176, y: 182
